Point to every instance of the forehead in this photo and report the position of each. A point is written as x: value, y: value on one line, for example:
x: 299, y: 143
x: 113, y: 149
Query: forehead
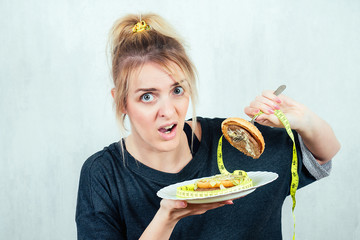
x: 153, y: 74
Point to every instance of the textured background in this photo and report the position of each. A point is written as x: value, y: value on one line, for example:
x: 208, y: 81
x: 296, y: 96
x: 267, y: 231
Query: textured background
x: 56, y: 108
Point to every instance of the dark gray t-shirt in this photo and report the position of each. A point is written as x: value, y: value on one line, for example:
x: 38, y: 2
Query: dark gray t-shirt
x: 117, y: 197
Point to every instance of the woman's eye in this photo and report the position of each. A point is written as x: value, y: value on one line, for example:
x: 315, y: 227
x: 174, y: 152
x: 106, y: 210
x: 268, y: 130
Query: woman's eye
x: 147, y: 97
x: 178, y: 90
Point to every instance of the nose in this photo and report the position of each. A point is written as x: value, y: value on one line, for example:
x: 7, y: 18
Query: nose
x: 166, y: 108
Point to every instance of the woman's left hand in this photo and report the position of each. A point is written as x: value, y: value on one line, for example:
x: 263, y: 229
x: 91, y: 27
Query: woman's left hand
x: 295, y: 112
x: 316, y: 133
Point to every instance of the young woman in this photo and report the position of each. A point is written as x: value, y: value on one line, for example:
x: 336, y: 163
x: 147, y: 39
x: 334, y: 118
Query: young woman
x: 154, y: 82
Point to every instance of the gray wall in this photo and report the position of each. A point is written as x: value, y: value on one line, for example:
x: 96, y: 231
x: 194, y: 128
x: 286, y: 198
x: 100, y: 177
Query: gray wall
x: 56, y: 108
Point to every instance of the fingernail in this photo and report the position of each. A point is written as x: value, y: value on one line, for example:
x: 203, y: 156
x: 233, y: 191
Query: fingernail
x: 278, y: 100
x: 271, y: 111
x: 276, y: 107
x: 183, y: 204
x: 257, y: 111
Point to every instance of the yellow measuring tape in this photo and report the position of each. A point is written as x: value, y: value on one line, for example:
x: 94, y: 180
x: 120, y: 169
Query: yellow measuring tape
x: 294, y: 164
x: 188, y: 191
x: 220, y: 161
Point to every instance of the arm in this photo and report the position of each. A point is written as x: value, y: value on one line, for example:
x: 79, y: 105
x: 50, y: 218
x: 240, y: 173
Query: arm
x: 170, y: 212
x: 316, y: 133
x: 96, y: 214
x: 318, y: 137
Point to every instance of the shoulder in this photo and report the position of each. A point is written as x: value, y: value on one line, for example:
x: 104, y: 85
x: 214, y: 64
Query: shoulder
x: 205, y: 124
x: 197, y: 128
x: 101, y: 163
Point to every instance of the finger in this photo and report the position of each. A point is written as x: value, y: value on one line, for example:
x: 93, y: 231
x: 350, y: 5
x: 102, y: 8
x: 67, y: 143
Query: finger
x: 181, y: 204
x: 269, y: 94
x: 211, y: 206
x: 268, y: 120
x: 255, y: 107
x: 173, y: 204
x: 197, y: 209
x: 251, y: 112
x: 205, y: 205
x: 180, y: 209
x: 270, y: 103
x: 228, y: 202
x: 265, y: 105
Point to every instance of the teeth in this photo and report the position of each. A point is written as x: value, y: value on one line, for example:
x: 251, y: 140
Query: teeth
x: 167, y: 128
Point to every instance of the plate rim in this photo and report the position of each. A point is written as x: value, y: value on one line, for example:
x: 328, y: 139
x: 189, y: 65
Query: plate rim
x: 175, y: 185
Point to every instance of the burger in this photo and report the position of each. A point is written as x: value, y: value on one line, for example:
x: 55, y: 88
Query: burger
x: 224, y: 181
x: 244, y: 136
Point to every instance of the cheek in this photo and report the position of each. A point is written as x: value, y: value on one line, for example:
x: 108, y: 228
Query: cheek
x: 183, y: 106
x: 140, y: 113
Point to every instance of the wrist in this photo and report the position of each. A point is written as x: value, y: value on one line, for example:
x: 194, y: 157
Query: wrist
x: 161, y: 225
x: 166, y: 217
x: 307, y: 122
x: 300, y: 118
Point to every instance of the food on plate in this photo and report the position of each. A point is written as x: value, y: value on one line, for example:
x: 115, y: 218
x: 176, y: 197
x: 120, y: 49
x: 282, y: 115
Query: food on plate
x: 244, y: 136
x: 223, y: 181
x: 215, y: 185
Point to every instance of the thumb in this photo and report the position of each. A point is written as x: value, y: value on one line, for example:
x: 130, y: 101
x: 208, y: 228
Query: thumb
x: 173, y: 204
x: 181, y: 204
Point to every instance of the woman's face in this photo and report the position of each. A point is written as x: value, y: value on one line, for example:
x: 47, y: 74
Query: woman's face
x: 157, y: 107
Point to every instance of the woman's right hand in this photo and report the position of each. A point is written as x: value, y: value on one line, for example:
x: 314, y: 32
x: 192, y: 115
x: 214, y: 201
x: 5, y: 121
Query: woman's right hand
x: 174, y: 210
x: 170, y: 212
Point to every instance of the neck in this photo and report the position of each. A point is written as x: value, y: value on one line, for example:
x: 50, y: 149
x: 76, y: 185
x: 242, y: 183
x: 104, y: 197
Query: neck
x: 169, y: 161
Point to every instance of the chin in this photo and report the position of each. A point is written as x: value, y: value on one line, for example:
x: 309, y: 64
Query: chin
x: 168, y: 146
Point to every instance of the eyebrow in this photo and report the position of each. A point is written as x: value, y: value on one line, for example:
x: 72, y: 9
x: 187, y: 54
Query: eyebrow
x: 154, y: 89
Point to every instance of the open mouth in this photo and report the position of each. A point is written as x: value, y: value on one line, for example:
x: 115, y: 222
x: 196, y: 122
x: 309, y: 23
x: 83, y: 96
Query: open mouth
x: 167, y: 129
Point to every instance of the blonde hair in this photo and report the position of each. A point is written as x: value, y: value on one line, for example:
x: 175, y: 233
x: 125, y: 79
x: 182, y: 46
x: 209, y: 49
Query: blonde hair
x: 130, y: 51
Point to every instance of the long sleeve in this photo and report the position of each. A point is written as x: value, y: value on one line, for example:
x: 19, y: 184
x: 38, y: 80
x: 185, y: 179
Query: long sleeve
x: 96, y: 214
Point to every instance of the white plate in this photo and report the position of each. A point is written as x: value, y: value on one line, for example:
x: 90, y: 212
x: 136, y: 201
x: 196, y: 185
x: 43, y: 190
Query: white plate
x: 259, y: 179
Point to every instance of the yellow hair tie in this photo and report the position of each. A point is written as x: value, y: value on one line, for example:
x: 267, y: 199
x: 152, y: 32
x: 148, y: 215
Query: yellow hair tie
x: 140, y: 26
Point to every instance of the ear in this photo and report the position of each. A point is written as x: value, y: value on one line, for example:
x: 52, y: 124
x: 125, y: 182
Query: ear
x: 124, y: 111
x: 113, y: 93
